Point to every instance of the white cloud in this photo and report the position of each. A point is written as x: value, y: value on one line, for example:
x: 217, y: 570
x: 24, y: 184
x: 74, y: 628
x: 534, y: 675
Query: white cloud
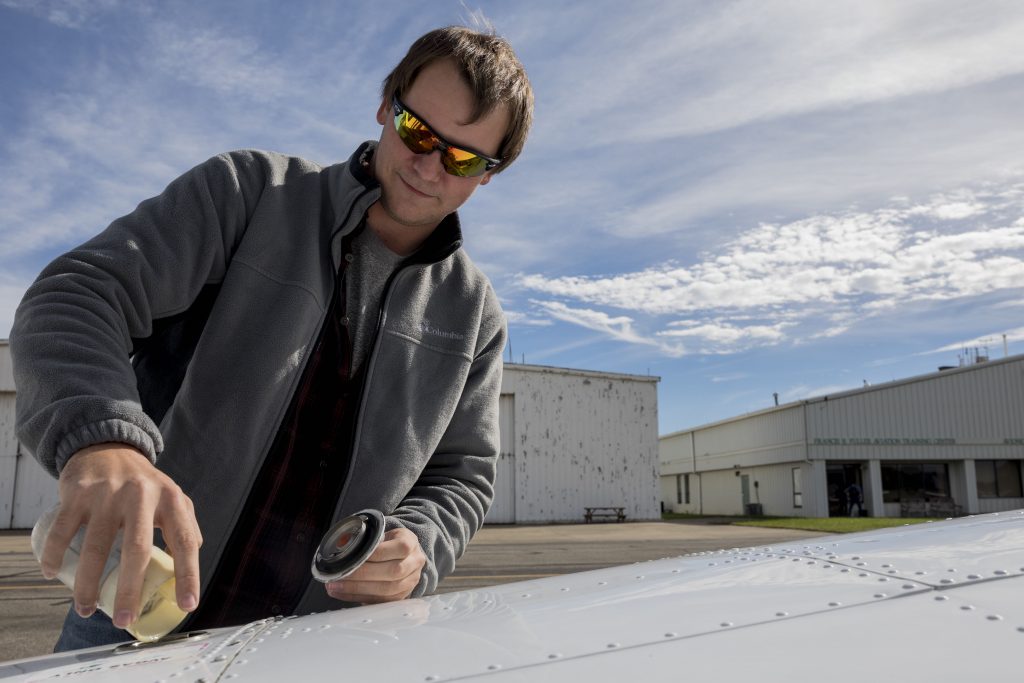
x: 722, y: 337
x: 993, y: 342
x: 801, y: 392
x: 617, y: 327
x: 748, y: 61
x: 730, y: 377
x: 71, y: 14
x: 951, y: 211
x: 520, y: 318
x: 210, y: 58
x: 822, y: 275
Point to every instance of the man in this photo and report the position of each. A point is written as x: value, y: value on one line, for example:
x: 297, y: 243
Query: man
x: 855, y: 499
x: 268, y: 346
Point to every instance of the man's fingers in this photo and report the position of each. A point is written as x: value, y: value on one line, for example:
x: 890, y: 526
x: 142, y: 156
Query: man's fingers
x: 183, y: 544
x: 99, y: 537
x: 64, y: 527
x: 396, y: 544
x: 389, y: 571
x: 136, y: 549
x: 370, y: 592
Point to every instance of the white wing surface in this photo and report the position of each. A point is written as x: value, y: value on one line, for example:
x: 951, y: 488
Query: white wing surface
x: 932, y: 602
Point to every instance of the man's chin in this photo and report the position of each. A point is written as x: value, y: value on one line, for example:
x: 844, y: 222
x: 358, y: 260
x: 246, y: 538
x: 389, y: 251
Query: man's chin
x: 409, y: 219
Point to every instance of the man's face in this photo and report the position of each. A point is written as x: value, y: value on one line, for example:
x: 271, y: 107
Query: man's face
x: 416, y: 191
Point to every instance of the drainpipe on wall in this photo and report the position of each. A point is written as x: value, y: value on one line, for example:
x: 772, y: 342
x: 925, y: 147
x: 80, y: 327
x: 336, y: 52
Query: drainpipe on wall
x: 14, y: 489
x: 807, y: 441
x: 700, y: 484
x: 807, y: 459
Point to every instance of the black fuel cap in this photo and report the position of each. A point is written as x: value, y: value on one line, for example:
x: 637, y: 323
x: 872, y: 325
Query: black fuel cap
x: 347, y: 544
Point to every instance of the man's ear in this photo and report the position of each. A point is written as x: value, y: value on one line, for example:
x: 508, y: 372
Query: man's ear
x: 382, y: 112
x: 487, y: 178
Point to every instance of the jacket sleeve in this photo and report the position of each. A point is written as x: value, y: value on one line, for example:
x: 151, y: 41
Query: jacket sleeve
x: 446, y: 506
x: 73, y: 333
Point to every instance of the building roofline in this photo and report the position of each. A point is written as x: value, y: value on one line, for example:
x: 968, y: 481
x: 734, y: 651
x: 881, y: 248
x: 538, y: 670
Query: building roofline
x: 853, y: 392
x: 581, y: 373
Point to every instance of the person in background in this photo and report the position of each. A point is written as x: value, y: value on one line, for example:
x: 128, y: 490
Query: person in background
x: 855, y: 498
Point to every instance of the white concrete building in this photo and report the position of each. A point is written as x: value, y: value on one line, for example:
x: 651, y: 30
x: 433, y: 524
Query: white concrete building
x: 570, y: 439
x: 950, y: 442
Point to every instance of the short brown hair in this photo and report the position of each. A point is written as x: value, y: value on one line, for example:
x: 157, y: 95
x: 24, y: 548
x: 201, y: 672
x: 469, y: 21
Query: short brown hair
x: 489, y: 67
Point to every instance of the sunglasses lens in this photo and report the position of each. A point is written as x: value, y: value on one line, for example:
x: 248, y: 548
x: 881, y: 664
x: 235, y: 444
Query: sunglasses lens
x: 417, y: 137
x: 462, y: 163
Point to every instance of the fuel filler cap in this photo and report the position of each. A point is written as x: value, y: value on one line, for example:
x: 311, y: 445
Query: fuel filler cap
x: 347, y: 544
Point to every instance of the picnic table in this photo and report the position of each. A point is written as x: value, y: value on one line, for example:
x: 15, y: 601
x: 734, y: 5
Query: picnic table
x: 607, y: 511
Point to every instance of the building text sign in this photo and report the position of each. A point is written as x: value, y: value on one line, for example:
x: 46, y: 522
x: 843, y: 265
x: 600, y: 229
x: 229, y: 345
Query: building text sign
x: 854, y: 441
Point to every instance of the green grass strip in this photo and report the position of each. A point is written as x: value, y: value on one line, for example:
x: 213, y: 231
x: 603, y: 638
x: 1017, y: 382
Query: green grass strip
x: 832, y: 525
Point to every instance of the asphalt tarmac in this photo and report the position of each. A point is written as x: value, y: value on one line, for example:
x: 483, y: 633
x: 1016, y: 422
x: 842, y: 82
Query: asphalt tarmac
x: 32, y: 609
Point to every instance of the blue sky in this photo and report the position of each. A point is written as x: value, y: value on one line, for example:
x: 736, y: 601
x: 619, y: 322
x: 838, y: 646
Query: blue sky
x: 743, y: 198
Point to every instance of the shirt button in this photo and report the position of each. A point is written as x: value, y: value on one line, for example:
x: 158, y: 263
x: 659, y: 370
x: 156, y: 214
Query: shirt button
x: 300, y: 537
x: 344, y: 320
x: 350, y: 257
x: 323, y: 463
x: 275, y: 610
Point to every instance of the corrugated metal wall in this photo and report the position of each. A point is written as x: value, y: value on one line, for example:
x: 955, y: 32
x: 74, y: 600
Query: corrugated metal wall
x: 6, y: 370
x: 583, y: 439
x: 999, y: 504
x: 8, y: 459
x: 722, y: 494
x: 761, y: 439
x: 964, y: 413
x: 26, y: 490
x: 676, y: 453
x: 503, y: 508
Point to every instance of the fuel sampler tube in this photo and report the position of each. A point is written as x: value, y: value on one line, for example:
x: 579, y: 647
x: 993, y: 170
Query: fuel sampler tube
x: 159, y: 613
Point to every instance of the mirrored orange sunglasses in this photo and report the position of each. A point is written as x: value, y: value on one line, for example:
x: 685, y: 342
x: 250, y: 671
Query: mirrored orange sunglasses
x: 420, y: 139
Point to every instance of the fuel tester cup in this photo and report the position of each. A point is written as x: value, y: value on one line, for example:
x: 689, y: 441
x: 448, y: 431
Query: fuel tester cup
x: 347, y: 544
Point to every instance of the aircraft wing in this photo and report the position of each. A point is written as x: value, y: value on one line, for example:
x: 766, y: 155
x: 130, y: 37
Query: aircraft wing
x: 941, y: 601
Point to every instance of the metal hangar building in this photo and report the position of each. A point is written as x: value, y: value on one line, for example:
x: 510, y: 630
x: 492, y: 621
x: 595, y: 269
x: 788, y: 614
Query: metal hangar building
x: 936, y: 445
x: 572, y: 439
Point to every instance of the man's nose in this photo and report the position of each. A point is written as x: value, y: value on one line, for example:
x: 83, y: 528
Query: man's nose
x: 429, y: 166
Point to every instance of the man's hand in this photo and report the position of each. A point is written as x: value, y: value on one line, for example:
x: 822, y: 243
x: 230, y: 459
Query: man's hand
x: 390, y: 573
x: 113, y: 486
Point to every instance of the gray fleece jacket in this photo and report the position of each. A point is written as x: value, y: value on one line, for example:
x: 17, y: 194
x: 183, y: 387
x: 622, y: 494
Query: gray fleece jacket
x: 183, y: 329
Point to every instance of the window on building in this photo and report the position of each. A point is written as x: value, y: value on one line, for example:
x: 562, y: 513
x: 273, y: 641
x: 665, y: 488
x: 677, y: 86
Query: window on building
x: 998, y: 478
x: 686, y: 488
x: 798, y: 488
x: 914, y: 481
x: 679, y: 488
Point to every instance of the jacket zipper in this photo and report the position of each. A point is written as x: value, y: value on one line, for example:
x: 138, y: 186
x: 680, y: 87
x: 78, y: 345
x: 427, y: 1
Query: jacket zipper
x: 325, y: 194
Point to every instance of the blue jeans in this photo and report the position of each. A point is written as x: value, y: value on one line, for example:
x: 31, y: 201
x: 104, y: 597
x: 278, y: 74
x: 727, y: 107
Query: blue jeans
x: 79, y: 633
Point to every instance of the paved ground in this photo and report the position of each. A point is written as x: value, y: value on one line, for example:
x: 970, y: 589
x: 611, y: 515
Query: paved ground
x: 32, y: 609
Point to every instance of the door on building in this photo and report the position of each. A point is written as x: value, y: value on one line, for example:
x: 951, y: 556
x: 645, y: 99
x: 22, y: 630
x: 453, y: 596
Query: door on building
x: 503, y: 509
x: 839, y: 476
